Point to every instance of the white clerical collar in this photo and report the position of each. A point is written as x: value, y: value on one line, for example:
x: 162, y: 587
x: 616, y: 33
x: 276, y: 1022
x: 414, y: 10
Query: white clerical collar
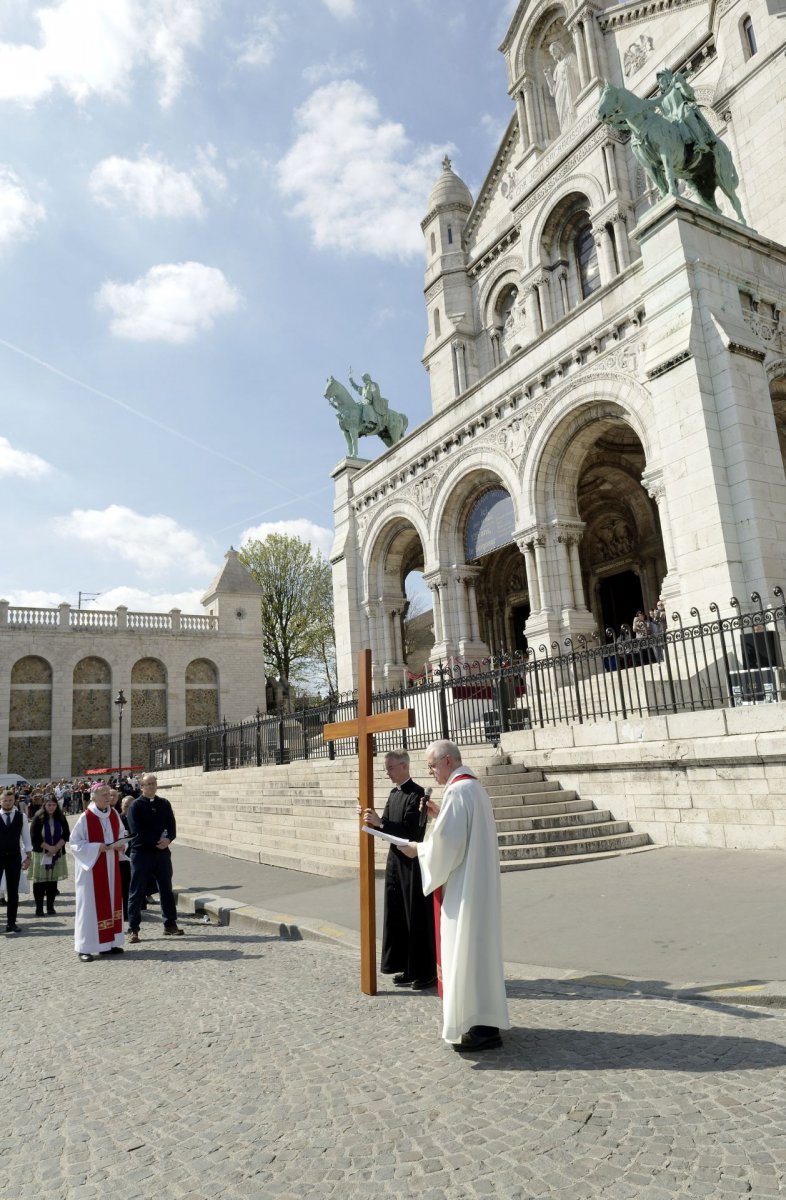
x: 99, y: 812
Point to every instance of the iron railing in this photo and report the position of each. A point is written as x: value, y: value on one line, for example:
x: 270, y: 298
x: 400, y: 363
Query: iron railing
x: 717, y: 662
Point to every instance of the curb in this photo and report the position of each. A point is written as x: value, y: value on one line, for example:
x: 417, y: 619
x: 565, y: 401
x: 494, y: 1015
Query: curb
x: 250, y: 918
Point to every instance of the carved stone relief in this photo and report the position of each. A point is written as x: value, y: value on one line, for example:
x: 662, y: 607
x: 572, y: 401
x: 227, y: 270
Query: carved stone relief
x: 637, y: 54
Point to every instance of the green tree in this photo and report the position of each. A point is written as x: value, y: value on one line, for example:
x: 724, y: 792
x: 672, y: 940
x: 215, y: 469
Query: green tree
x: 297, y: 609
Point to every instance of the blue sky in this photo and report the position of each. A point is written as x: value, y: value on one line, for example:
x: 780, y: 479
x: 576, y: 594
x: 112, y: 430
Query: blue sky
x: 206, y: 207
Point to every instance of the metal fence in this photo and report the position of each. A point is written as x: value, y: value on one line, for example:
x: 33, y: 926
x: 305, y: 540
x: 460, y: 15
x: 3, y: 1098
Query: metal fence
x: 717, y: 662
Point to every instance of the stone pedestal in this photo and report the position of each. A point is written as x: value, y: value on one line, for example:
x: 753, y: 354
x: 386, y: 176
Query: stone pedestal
x: 724, y: 490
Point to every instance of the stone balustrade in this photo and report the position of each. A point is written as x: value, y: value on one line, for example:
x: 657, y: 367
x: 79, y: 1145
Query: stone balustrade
x: 96, y: 620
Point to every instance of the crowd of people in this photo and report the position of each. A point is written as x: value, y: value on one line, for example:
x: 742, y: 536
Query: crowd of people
x: 119, y: 845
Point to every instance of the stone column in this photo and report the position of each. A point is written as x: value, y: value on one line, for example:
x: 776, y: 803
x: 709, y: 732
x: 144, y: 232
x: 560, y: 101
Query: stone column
x: 568, y: 596
x: 377, y: 664
x: 384, y: 617
x: 460, y: 367
x: 62, y: 716
x: 4, y: 606
x: 608, y: 268
x: 122, y: 616
x: 619, y: 223
x: 64, y: 617
x: 474, y: 616
x: 575, y: 570
x: 539, y: 549
x: 532, y: 309
x: 579, y: 41
x: 560, y: 281
x: 590, y: 34
x: 439, y: 634
x: 652, y: 482
x: 494, y: 339
x: 533, y: 582
x: 542, y: 283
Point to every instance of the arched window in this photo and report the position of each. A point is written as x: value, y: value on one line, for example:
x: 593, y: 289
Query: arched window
x: 749, y: 43
x: 437, y: 330
x: 450, y: 235
x: 433, y: 243
x: 586, y: 261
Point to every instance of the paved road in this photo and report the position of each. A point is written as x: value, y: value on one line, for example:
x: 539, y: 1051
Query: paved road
x: 673, y: 915
x: 232, y: 1066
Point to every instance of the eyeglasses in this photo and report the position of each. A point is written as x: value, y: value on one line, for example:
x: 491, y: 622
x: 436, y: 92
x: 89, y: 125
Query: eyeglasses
x: 432, y: 766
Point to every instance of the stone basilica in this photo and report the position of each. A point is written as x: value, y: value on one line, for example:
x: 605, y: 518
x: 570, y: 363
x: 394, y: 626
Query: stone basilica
x: 607, y: 369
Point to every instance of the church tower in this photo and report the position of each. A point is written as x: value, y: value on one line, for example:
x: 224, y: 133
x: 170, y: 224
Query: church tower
x: 449, y: 354
x: 234, y: 599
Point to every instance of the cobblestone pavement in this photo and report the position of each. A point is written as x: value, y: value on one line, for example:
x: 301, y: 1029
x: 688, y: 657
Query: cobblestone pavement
x: 235, y: 1065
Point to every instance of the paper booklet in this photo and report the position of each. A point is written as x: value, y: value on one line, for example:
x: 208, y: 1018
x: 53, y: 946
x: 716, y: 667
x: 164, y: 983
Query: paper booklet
x: 386, y: 837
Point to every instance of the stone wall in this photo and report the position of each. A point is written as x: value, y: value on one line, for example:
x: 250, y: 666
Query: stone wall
x: 714, y: 778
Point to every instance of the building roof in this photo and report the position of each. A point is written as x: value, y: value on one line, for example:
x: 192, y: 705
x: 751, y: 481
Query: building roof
x: 449, y: 189
x: 232, y: 580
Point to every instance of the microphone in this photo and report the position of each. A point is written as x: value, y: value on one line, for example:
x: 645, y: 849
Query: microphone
x: 424, y: 810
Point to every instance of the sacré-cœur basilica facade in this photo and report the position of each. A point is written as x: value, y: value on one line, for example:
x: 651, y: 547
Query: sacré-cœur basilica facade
x: 607, y: 368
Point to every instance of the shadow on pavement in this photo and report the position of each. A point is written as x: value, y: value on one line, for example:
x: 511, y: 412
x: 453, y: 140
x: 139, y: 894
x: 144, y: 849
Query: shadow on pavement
x: 632, y: 989
x: 604, y: 1050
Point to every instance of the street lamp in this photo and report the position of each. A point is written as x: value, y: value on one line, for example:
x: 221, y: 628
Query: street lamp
x: 120, y: 704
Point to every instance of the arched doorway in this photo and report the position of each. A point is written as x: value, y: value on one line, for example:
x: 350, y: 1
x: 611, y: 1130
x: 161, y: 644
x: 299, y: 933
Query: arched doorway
x: 622, y: 556
x: 397, y: 603
x: 501, y: 579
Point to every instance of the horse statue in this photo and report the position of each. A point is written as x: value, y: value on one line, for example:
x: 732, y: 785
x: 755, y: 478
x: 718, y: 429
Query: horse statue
x: 358, y: 420
x: 679, y: 145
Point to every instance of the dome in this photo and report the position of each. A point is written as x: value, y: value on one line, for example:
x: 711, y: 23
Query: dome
x: 449, y: 189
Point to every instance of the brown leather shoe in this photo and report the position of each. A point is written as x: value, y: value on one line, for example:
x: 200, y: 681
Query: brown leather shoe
x: 173, y: 931
x: 134, y: 937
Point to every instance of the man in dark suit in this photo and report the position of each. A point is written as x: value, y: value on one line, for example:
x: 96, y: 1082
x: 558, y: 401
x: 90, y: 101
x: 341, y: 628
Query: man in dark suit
x: 15, y: 851
x: 151, y: 822
x: 408, y: 946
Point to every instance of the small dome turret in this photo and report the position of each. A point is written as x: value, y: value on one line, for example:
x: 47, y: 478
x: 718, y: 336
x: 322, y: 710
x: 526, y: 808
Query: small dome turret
x: 449, y: 189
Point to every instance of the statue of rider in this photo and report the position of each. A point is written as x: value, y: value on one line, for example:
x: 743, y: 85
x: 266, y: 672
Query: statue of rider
x: 677, y: 102
x: 372, y: 398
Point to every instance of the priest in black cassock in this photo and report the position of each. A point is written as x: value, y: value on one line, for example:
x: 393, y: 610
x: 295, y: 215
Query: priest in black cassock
x: 408, y: 949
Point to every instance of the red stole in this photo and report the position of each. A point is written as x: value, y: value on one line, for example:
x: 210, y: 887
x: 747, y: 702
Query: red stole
x: 437, y: 894
x: 109, y: 909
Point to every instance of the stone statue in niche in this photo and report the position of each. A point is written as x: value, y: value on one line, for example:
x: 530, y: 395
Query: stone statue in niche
x: 562, y: 81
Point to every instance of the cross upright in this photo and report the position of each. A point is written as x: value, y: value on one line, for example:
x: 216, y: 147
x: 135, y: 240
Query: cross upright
x: 364, y: 728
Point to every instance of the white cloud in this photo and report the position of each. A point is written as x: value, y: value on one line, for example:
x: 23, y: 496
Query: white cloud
x: 20, y: 464
x: 19, y: 213
x: 135, y: 599
x: 356, y: 178
x: 259, y: 48
x: 92, y: 47
x: 153, y: 544
x: 317, y: 536
x: 171, y: 303
x: 335, y: 68
x: 138, y: 600
x: 152, y: 187
x: 341, y: 8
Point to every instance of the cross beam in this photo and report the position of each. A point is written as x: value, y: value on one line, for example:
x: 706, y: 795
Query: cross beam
x: 364, y: 728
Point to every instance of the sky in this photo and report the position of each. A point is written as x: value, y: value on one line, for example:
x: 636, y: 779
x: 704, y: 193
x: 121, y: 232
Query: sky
x: 206, y: 208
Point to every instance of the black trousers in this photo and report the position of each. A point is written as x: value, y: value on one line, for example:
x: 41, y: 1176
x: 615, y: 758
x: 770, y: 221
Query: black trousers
x: 144, y: 864
x: 44, y: 891
x: 11, y: 867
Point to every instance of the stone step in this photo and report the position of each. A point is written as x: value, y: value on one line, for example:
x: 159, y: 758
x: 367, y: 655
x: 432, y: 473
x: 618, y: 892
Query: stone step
x: 534, y: 864
x: 589, y: 815
x: 618, y: 841
x: 568, y: 833
x: 530, y: 782
x: 552, y: 808
x: 546, y: 797
x: 293, y: 859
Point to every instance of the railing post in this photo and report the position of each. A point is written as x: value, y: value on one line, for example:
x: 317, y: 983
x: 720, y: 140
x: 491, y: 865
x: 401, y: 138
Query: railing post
x: 224, y: 744
x: 206, y: 750
x: 331, y: 745
x: 443, y: 704
x: 259, y: 737
x: 281, y: 737
x: 305, y: 731
x: 504, y: 715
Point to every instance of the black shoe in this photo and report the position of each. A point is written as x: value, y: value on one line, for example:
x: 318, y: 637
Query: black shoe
x: 39, y: 912
x: 86, y: 957
x: 480, y: 1037
x: 50, y: 912
x: 420, y: 985
x: 117, y: 950
x: 12, y: 929
x: 402, y: 980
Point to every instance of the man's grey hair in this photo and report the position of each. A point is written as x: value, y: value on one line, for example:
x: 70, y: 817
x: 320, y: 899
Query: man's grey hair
x: 444, y: 748
x: 401, y: 756
x: 148, y: 775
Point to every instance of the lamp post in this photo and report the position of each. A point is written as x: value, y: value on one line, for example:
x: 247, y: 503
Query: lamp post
x: 120, y: 704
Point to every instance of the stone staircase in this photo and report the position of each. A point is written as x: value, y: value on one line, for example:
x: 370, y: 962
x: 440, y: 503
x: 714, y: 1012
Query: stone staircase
x: 540, y: 824
x: 302, y: 816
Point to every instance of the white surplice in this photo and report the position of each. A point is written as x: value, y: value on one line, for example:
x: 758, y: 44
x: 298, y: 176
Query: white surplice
x: 461, y: 856
x: 25, y: 848
x: 86, y: 855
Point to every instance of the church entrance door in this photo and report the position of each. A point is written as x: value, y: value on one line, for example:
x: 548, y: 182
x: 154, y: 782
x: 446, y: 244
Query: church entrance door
x: 620, y: 599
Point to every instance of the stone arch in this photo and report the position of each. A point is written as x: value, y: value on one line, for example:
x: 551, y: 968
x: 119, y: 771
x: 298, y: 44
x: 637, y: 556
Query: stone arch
x: 396, y: 546
x: 91, y: 720
x: 587, y: 487
x: 547, y: 25
x: 30, y: 718
x: 484, y: 465
x: 506, y: 274
x: 584, y: 187
x: 202, y: 693
x: 777, y: 382
x: 148, y: 706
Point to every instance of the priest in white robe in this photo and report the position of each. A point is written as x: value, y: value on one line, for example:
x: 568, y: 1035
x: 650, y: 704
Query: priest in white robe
x: 461, y: 857
x: 96, y: 843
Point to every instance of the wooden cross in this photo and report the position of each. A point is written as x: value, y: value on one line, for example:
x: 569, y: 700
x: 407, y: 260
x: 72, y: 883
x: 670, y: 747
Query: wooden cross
x: 364, y: 728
